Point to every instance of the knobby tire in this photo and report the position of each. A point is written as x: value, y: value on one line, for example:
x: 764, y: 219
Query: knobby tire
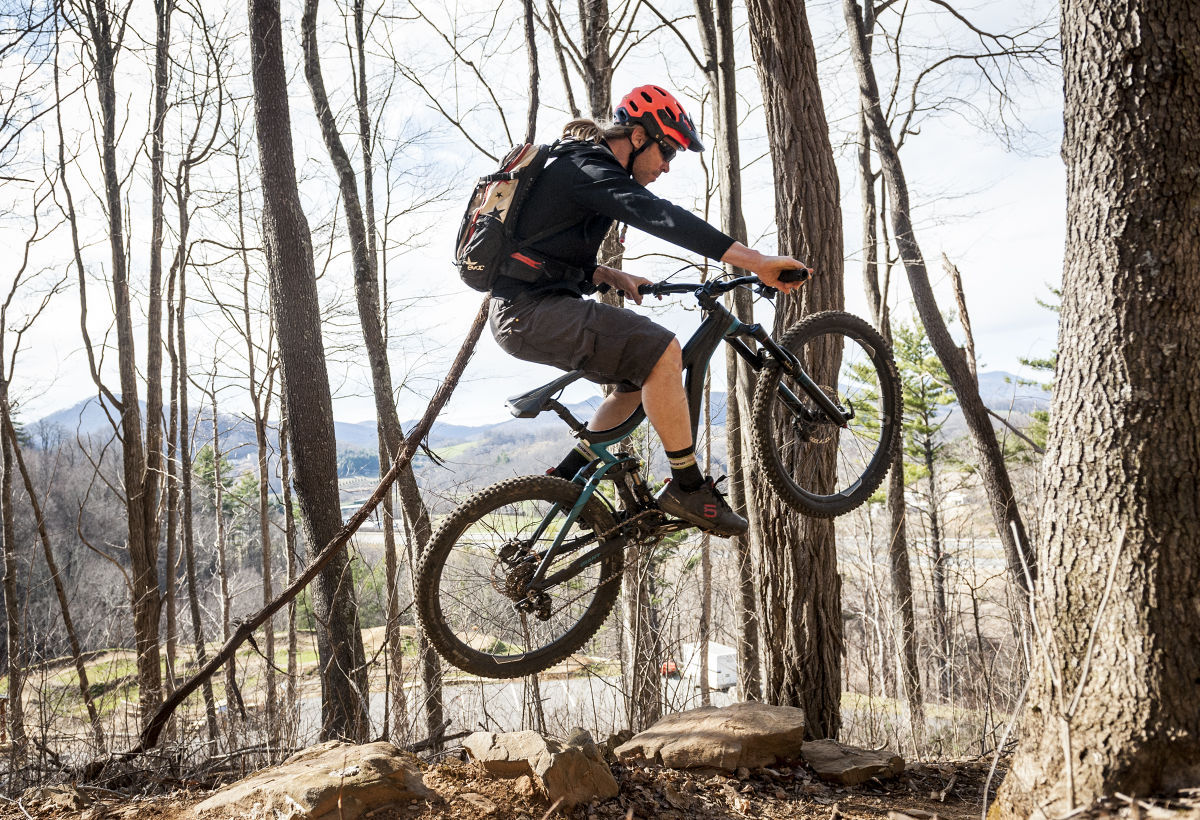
x: 797, y: 457
x: 488, y: 628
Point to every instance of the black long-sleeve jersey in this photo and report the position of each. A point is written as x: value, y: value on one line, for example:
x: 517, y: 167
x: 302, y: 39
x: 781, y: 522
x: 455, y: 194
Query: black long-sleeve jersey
x: 585, y: 189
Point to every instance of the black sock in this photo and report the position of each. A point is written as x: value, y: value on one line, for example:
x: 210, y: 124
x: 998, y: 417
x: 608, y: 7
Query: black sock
x: 574, y: 462
x: 684, y: 470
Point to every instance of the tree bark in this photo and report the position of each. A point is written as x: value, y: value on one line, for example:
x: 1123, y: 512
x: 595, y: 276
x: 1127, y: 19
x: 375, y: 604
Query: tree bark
x: 141, y: 483
x: 534, y: 72
x: 187, y: 521
x: 1112, y: 704
x: 992, y: 470
x: 14, y: 643
x: 309, y: 405
x: 899, y: 560
x: 716, y: 31
x: 366, y: 290
x: 799, y: 585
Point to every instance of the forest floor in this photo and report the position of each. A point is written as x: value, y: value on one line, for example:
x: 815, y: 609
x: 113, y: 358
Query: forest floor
x: 950, y: 791
x: 934, y: 791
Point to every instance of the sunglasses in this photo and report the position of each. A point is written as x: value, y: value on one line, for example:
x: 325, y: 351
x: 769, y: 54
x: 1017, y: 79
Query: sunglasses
x: 667, y: 150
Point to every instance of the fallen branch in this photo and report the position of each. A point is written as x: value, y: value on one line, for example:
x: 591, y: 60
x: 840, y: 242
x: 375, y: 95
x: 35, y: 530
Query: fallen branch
x: 150, y: 735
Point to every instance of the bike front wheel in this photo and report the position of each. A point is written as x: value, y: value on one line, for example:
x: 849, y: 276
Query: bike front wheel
x: 473, y: 599
x: 818, y: 465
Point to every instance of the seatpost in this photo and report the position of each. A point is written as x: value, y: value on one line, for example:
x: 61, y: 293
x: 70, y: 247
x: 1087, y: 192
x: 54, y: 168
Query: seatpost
x: 563, y: 413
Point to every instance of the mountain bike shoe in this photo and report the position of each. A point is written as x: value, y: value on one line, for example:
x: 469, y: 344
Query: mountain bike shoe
x: 705, y: 507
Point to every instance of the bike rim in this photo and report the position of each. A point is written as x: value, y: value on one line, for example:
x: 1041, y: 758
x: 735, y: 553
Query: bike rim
x: 476, y: 588
x: 827, y: 462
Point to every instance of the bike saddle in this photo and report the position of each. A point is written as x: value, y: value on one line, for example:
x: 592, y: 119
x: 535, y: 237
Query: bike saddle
x: 528, y: 405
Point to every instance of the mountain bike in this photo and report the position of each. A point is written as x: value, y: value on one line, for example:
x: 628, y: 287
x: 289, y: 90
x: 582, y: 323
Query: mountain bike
x: 524, y: 572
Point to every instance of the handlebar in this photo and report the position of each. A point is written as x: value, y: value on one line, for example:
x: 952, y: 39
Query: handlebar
x: 718, y: 286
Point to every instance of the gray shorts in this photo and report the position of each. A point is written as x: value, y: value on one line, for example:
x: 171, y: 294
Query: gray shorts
x: 610, y: 345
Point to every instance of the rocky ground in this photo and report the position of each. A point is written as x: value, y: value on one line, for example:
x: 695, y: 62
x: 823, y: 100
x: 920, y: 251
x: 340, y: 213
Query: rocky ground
x: 947, y: 790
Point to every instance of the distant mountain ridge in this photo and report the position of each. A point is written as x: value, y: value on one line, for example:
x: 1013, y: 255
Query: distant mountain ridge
x: 477, y: 453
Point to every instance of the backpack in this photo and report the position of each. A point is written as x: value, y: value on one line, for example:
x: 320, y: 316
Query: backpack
x: 486, y: 236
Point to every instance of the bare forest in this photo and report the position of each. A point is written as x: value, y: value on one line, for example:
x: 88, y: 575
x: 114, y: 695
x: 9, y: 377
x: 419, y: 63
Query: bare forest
x: 228, y: 234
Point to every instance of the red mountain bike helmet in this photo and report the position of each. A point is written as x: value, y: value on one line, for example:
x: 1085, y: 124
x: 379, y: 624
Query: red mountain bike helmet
x: 660, y: 114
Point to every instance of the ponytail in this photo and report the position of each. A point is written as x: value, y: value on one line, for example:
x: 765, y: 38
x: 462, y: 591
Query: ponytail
x: 592, y: 131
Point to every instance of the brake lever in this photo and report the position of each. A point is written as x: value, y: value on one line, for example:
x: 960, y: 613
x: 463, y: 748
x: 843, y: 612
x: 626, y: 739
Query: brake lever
x: 765, y: 291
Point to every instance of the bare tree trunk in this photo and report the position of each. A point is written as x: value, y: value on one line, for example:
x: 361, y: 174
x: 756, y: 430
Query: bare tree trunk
x: 964, y: 318
x: 141, y: 493
x: 260, y: 400
x: 1112, y: 703
x: 185, y: 473
x: 234, y: 708
x: 366, y: 289
x: 171, y: 558
x: 937, y: 548
x: 556, y: 39
x: 597, y: 59
x: 800, y: 589
x: 534, y: 72
x: 306, y: 381
x: 705, y: 561
x: 290, y: 698
x: 14, y: 645
x: 716, y: 29
x: 899, y: 561
x: 397, y: 703
x: 644, y: 696
x: 992, y: 470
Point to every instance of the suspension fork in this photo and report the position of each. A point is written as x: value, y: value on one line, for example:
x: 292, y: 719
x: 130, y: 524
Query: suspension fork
x: 790, y: 365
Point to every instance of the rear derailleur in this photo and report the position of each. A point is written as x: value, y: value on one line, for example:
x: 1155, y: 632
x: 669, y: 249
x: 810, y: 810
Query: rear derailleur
x: 520, y: 565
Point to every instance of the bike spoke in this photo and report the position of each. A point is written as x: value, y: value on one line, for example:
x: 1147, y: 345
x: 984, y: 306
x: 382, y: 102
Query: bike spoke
x: 485, y: 609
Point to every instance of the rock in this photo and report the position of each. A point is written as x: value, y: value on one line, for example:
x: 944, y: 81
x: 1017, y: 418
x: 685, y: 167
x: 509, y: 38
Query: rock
x: 572, y: 771
x: 55, y: 797
x: 479, y: 802
x: 745, y: 735
x: 524, y: 787
x: 849, y: 765
x: 619, y: 739
x: 332, y: 781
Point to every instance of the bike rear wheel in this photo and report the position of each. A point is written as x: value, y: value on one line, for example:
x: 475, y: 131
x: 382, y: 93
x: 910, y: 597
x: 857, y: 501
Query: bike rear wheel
x: 471, y: 595
x: 816, y: 465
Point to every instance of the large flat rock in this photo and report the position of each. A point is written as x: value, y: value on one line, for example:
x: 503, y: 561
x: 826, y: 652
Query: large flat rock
x: 332, y: 781
x: 746, y: 735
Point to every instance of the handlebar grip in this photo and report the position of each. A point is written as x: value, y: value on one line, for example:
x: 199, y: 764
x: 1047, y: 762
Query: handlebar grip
x: 645, y: 289
x: 794, y: 275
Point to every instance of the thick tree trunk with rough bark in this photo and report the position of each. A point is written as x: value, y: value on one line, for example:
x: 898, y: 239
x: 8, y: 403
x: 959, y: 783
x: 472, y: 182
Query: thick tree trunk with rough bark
x: 288, y: 245
x: 1113, y: 703
x: 799, y: 586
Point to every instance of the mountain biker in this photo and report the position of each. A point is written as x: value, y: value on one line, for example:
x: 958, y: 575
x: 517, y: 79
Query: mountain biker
x: 537, y: 313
